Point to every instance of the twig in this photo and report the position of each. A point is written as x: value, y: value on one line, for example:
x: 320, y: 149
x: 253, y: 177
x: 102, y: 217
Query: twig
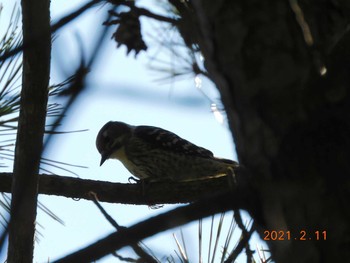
x: 62, y: 22
x: 144, y: 12
x: 243, y: 242
x: 145, y: 257
x: 157, y: 224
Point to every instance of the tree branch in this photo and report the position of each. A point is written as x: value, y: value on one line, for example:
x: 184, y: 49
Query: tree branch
x: 144, y: 12
x: 59, y: 24
x: 160, y: 223
x: 144, y: 256
x: 137, y: 194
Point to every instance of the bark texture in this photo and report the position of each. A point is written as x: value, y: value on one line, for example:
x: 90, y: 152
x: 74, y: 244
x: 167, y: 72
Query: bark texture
x: 153, y: 193
x: 35, y: 80
x: 290, y: 121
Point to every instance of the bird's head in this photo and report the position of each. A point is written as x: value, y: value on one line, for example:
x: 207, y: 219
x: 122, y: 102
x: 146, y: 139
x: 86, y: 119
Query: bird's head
x: 111, y: 137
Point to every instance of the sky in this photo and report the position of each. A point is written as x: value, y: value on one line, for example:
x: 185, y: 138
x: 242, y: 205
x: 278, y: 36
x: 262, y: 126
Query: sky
x: 120, y: 88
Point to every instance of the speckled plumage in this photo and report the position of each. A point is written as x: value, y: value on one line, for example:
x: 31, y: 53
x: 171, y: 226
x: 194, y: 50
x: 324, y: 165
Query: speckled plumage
x: 157, y: 154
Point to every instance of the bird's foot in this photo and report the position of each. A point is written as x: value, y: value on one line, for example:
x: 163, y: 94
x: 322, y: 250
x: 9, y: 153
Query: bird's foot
x: 231, y: 177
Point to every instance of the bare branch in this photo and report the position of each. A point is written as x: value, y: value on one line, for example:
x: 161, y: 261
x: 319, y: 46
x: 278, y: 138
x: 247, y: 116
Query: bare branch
x: 144, y: 256
x: 138, y: 194
x: 144, y: 12
x: 157, y: 224
x: 62, y: 22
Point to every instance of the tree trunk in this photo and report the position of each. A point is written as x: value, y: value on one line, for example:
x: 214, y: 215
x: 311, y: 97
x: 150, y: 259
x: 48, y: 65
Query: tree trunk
x: 31, y: 125
x: 289, y: 118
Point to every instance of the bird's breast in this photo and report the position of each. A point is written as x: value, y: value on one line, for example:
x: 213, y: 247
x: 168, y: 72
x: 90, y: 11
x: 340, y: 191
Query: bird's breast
x: 120, y: 155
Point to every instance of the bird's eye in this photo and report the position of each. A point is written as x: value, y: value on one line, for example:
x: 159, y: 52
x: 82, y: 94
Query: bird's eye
x: 107, y: 139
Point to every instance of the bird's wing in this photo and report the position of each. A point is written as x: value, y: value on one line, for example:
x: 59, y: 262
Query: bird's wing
x: 163, y: 139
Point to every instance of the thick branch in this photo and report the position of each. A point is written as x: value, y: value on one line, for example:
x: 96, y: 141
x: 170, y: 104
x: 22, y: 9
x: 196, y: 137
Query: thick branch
x: 157, y: 224
x: 138, y: 194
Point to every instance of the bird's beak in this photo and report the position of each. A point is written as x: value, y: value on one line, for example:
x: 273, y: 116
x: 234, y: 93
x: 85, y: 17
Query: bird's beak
x: 104, y: 157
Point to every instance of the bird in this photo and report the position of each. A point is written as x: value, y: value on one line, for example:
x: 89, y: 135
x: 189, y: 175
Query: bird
x: 155, y: 154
